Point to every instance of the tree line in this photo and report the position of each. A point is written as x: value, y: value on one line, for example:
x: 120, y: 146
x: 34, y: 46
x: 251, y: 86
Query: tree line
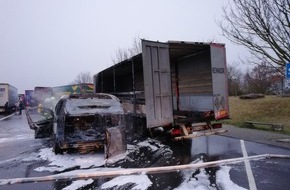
x: 262, y: 78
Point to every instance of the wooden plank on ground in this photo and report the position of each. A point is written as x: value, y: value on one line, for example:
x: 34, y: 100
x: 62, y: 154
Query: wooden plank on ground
x: 134, y: 171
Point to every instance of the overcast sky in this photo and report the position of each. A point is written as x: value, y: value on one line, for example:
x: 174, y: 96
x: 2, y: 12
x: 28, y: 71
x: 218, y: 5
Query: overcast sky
x: 49, y: 42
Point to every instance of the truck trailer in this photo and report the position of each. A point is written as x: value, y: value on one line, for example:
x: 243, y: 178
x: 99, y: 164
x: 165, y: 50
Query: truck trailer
x: 8, y: 97
x: 176, y: 87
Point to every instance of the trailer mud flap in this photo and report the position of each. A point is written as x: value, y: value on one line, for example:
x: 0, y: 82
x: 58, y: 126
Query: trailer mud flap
x: 116, y: 141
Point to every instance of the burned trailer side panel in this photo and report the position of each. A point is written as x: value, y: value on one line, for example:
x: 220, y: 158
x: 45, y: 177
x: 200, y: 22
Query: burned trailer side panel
x: 116, y: 79
x: 124, y: 80
x: 157, y: 82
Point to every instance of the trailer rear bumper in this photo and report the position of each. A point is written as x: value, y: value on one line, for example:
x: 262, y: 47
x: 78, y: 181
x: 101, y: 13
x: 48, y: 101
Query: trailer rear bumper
x: 200, y: 134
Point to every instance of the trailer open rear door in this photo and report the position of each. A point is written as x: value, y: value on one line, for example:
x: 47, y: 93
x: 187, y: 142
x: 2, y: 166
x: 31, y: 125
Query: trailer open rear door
x: 157, y: 83
x: 219, y: 81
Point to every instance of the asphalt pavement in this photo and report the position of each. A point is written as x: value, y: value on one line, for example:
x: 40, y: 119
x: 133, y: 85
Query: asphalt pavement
x: 259, y: 136
x: 254, y: 135
x: 23, y: 156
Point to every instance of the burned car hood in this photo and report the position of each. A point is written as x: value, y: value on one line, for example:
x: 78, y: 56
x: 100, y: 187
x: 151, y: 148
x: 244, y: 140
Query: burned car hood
x: 93, y: 106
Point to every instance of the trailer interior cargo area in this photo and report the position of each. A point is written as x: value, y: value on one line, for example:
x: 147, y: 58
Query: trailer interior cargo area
x: 170, y: 84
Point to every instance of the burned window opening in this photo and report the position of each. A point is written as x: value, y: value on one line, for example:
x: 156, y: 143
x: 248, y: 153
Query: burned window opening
x: 94, y: 107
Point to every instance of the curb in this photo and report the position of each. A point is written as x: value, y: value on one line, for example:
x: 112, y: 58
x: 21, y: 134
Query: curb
x: 7, y: 117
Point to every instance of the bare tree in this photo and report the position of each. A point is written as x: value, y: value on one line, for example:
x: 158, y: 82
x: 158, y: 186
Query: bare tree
x: 123, y: 54
x: 136, y: 47
x: 83, y: 77
x: 235, y: 77
x: 120, y: 55
x: 263, y: 26
x: 262, y: 79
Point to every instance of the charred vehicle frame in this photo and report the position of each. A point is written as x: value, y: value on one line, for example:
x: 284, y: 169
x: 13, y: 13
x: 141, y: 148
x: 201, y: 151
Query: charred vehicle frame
x: 41, y: 121
x: 83, y: 122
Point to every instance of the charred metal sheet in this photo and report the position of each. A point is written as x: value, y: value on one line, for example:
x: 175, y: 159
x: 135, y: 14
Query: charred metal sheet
x: 40, y: 120
x: 116, y: 141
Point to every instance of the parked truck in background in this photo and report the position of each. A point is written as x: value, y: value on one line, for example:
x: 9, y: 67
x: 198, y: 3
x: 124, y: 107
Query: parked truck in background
x: 176, y: 87
x: 8, y: 97
x: 42, y: 95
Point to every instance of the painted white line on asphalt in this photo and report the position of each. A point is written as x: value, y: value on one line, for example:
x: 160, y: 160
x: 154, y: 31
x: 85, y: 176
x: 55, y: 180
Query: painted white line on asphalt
x: 7, y: 117
x: 251, y: 179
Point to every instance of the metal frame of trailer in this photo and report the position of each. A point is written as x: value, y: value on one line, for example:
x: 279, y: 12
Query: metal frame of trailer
x: 173, y: 83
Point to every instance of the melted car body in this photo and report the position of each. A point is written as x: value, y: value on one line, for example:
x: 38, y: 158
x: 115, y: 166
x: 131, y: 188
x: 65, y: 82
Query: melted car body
x: 81, y: 121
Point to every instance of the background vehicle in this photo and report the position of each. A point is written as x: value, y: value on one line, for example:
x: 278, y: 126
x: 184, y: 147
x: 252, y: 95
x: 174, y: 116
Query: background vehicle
x: 179, y: 86
x: 50, y: 95
x: 8, y: 96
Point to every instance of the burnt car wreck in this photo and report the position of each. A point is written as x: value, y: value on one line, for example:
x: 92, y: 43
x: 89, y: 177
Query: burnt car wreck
x: 87, y: 122
x: 82, y: 122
